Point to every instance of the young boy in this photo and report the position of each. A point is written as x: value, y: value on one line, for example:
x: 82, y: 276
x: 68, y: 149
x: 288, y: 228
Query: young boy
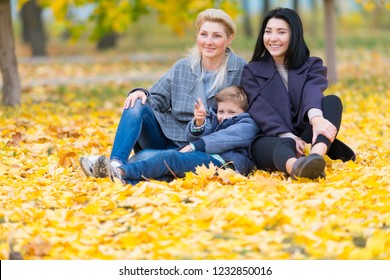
x: 221, y: 138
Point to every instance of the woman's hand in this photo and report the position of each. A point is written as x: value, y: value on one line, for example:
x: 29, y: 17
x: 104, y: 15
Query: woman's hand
x: 130, y: 100
x: 324, y: 127
x: 186, y: 149
x: 300, y: 146
x: 200, y: 113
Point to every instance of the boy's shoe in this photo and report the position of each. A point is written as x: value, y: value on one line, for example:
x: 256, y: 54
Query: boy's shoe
x: 311, y: 167
x: 86, y: 166
x: 103, y: 168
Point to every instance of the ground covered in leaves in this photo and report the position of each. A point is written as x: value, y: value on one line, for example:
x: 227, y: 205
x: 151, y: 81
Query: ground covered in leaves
x: 50, y: 210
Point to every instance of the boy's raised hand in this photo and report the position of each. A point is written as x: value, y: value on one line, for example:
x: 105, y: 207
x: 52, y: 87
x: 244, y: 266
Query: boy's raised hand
x: 200, y: 113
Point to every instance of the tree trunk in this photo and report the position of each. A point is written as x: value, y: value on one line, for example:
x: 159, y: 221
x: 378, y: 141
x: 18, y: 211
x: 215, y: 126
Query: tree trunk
x: 266, y: 7
x: 313, y: 18
x: 330, y: 40
x: 247, y: 19
x: 108, y: 41
x: 296, y: 5
x: 32, y: 28
x: 8, y: 63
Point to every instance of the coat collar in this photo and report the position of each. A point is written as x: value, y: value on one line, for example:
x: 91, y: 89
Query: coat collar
x: 229, y: 121
x: 232, y: 64
x: 266, y: 68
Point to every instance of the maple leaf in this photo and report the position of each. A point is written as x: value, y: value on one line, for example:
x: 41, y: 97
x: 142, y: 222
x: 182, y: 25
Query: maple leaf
x: 16, y: 138
x: 206, y: 172
x: 37, y: 247
x: 68, y: 159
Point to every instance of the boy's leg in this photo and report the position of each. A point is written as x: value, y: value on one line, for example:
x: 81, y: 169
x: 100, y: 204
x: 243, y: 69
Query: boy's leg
x: 166, y: 162
x: 145, y: 154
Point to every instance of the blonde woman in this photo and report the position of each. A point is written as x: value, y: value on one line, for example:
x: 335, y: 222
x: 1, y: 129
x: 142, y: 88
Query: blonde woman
x: 157, y: 118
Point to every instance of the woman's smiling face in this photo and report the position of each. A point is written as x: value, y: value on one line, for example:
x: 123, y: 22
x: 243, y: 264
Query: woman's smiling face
x: 277, y: 38
x: 212, y: 40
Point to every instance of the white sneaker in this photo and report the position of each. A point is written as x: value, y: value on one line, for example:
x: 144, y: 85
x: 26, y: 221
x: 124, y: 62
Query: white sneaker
x: 86, y: 164
x: 103, y: 168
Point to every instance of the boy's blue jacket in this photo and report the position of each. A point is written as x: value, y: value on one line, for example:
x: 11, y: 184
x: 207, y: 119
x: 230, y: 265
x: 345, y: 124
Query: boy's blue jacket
x: 229, y: 139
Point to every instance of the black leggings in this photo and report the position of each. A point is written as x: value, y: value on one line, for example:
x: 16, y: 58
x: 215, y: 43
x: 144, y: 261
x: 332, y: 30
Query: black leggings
x: 271, y: 152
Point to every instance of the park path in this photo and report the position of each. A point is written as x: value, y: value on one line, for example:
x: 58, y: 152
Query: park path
x: 115, y: 76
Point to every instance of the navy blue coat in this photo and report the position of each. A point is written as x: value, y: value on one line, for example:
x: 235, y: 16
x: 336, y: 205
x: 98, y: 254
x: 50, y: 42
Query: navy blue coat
x: 230, y: 139
x: 278, y: 110
x: 275, y: 109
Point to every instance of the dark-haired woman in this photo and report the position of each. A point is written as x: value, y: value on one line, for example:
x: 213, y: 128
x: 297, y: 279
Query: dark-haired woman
x: 285, y: 88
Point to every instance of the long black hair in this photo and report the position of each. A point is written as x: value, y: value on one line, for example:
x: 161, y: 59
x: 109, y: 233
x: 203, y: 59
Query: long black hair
x: 297, y: 51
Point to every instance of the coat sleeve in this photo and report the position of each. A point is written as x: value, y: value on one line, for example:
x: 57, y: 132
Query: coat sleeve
x: 264, y: 114
x: 161, y: 91
x: 194, y: 133
x: 315, y: 85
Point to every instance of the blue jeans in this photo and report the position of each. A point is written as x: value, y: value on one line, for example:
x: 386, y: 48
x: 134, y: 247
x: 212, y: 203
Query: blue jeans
x: 138, y: 129
x: 160, y: 164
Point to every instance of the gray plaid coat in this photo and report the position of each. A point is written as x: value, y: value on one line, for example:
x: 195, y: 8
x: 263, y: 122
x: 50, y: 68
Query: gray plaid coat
x: 173, y: 96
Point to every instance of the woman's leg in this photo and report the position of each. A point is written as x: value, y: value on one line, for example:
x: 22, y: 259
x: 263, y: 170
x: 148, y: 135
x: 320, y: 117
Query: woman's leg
x: 137, y: 125
x: 313, y: 166
x: 332, y: 109
x: 166, y: 162
x: 272, y: 153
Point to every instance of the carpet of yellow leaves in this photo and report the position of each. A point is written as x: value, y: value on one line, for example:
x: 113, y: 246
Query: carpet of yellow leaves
x: 50, y: 210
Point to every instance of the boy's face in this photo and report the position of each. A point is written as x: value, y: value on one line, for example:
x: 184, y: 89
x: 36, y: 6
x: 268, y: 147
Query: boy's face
x: 228, y: 109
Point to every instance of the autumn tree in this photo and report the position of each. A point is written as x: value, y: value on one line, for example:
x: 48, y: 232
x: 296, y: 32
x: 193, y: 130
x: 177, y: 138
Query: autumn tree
x: 32, y: 27
x: 330, y: 31
x: 8, y: 63
x: 330, y: 40
x: 112, y: 18
x: 247, y: 18
x: 296, y: 5
x: 266, y: 8
x: 313, y: 18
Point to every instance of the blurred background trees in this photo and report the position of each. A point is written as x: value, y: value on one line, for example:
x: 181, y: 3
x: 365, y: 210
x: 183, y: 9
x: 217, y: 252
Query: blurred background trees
x: 8, y: 63
x: 49, y: 28
x: 33, y: 32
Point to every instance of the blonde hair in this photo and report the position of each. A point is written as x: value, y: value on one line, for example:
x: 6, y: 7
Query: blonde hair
x: 235, y: 94
x: 213, y: 15
x: 216, y: 15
